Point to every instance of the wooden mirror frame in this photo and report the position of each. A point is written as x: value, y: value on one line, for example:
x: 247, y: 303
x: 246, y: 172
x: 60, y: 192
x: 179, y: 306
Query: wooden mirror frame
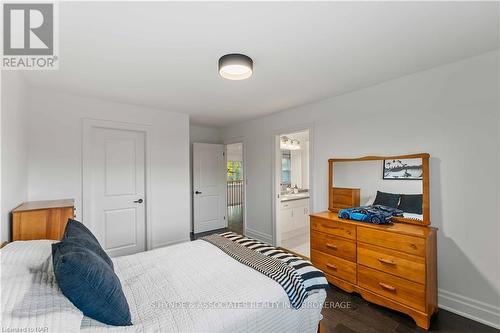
x: 425, y: 183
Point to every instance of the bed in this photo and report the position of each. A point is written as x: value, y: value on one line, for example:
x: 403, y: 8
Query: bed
x: 189, y: 287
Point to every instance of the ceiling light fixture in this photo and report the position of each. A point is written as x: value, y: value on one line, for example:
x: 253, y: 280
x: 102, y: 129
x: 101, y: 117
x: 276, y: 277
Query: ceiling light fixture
x: 289, y: 144
x: 235, y: 66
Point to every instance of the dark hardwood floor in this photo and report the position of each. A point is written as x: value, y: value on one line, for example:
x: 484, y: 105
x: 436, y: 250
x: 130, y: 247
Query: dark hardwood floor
x: 362, y: 316
x: 352, y: 314
x: 201, y: 234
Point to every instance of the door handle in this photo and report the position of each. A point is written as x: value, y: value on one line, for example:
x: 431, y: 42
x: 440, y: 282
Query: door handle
x: 197, y: 192
x: 139, y: 201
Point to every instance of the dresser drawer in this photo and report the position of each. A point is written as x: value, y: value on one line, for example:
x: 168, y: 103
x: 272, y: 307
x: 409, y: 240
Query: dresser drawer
x: 395, y: 288
x: 334, y: 228
x: 335, y: 266
x: 398, y: 263
x: 336, y: 246
x: 404, y: 243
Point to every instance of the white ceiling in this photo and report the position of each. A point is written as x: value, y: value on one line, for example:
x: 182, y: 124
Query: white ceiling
x: 165, y: 55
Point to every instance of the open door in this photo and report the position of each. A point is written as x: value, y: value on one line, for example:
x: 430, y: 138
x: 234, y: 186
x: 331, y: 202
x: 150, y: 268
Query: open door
x: 209, y: 187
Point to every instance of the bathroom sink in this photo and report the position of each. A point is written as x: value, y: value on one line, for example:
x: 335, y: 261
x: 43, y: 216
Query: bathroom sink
x: 292, y: 196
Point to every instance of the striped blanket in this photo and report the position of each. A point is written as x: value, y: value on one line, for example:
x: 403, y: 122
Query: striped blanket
x: 297, y: 276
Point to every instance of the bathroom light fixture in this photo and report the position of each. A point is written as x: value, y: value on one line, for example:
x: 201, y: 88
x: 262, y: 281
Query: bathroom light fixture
x: 289, y: 144
x: 235, y: 66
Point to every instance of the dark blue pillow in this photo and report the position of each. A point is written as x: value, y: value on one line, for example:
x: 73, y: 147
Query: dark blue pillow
x: 411, y: 203
x: 387, y: 199
x: 78, y: 233
x: 90, y: 283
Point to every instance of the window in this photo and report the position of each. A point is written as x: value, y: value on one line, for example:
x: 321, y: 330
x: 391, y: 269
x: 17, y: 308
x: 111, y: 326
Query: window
x: 285, y: 168
x: 234, y: 170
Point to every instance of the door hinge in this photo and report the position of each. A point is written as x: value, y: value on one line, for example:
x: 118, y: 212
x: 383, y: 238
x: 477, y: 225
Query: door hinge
x: 224, y: 217
x: 223, y: 154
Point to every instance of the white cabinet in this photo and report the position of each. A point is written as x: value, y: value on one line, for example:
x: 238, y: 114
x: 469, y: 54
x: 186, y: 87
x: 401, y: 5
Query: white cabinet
x: 294, y: 215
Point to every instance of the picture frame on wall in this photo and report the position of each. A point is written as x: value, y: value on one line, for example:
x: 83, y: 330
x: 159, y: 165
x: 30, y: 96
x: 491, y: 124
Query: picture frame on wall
x: 403, y: 169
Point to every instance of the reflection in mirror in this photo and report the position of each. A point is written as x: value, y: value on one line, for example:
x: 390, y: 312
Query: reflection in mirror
x: 393, y: 183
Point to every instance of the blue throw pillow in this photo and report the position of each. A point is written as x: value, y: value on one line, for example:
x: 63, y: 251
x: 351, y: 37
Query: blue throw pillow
x: 78, y: 233
x: 90, y: 283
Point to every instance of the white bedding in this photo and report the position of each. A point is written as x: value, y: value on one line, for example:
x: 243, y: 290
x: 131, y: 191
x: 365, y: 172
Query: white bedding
x: 31, y: 301
x: 198, y: 273
x: 412, y: 216
x: 195, y: 275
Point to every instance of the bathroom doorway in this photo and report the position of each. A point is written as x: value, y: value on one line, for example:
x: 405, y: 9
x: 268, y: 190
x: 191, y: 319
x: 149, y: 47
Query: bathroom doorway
x: 292, y: 189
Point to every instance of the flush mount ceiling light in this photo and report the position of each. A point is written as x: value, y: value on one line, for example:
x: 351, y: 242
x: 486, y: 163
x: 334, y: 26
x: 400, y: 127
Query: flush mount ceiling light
x: 289, y: 144
x: 235, y: 66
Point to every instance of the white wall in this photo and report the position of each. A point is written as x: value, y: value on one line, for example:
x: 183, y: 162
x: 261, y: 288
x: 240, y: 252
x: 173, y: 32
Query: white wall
x: 450, y: 112
x: 14, y: 187
x: 234, y: 152
x: 204, y: 134
x: 368, y: 176
x: 55, y: 156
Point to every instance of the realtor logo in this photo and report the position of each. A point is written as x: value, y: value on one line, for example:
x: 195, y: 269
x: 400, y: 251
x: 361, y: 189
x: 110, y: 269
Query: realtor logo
x: 29, y: 32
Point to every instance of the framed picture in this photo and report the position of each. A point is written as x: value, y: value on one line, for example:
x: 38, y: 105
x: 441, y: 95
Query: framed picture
x: 404, y: 169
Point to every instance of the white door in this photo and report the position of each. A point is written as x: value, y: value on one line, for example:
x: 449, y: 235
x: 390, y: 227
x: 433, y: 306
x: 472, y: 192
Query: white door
x: 209, y: 187
x: 118, y: 190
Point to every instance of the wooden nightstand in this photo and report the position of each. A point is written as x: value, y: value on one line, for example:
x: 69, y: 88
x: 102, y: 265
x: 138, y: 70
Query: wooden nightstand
x: 42, y: 219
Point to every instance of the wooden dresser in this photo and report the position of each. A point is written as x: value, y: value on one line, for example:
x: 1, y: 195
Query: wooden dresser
x: 393, y: 265
x: 41, y: 219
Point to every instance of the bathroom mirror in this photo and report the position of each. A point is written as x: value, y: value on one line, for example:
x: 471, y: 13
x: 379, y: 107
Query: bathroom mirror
x: 400, y: 182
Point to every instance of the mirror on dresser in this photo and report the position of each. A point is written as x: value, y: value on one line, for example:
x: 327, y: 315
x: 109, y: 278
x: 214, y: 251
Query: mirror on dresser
x: 390, y: 264
x: 400, y: 182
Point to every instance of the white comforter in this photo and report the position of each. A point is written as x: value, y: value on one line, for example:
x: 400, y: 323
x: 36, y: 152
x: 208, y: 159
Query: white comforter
x: 198, y: 274
x: 31, y: 301
x: 189, y: 287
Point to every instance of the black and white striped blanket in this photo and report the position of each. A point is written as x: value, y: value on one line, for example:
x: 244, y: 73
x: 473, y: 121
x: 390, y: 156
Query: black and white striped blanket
x: 297, y: 276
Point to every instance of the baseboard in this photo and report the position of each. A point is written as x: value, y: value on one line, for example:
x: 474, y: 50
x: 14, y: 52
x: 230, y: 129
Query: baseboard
x: 156, y: 246
x: 266, y: 238
x: 467, y: 307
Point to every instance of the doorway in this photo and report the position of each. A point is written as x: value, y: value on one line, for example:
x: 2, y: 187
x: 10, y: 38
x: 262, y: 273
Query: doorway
x: 114, y: 185
x: 293, y: 191
x: 235, y: 187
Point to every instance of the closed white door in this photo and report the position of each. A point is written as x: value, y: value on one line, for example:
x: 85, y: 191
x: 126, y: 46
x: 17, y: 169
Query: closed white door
x: 118, y: 190
x: 209, y: 187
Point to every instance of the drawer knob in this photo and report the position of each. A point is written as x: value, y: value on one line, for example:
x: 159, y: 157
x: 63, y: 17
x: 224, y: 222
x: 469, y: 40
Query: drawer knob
x: 331, y: 246
x: 331, y: 266
x: 386, y: 261
x: 387, y: 286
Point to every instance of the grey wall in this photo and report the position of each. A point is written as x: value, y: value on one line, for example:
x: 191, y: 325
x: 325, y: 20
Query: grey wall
x: 367, y: 176
x: 55, y: 125
x: 204, y: 134
x: 451, y: 112
x: 14, y: 188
